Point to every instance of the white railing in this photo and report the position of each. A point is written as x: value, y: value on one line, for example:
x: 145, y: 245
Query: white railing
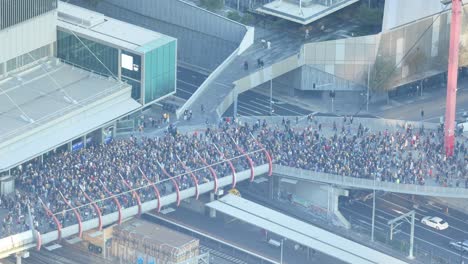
x: 361, y: 183
x: 25, y: 240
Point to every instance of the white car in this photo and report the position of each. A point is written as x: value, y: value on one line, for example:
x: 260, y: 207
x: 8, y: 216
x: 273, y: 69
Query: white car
x: 460, y: 245
x: 435, y: 222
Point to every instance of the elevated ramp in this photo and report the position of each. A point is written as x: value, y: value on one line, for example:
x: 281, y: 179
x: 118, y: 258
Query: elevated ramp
x: 299, y: 232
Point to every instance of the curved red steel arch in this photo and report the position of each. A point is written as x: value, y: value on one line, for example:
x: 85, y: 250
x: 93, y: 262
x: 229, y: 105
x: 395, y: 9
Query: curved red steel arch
x: 96, y: 208
x: 176, y: 186
x: 155, y: 188
x: 194, y: 179
x: 116, y: 201
x: 233, y: 170
x: 134, y: 193
x: 268, y: 156
x: 39, y: 241
x: 77, y: 215
x: 57, y: 222
x: 212, y: 172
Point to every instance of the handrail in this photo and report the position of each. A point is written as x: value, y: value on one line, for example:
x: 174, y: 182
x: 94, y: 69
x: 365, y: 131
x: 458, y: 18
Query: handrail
x: 77, y: 215
x: 176, y: 186
x: 267, y: 155
x: 25, y: 240
x: 95, y: 206
x: 194, y: 179
x: 156, y: 191
x: 116, y: 201
x: 307, y: 175
x: 233, y: 170
x: 57, y: 222
x: 212, y: 172
x: 134, y: 193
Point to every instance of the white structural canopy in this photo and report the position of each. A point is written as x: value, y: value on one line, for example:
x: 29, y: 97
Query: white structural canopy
x: 300, y: 232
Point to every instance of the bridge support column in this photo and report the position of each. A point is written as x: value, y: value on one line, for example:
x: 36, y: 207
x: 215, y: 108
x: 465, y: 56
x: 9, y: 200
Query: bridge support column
x: 321, y: 199
x: 7, y: 183
x: 21, y: 255
x: 333, y: 196
x: 212, y: 211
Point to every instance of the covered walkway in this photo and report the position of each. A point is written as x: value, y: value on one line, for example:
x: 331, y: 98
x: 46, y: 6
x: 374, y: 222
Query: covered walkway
x: 299, y: 232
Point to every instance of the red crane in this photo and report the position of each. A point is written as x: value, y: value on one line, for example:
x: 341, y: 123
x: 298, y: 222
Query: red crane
x: 452, y: 78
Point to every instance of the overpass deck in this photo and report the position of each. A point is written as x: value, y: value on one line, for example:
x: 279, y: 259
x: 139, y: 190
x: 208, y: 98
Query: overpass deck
x: 361, y: 183
x: 299, y: 232
x: 27, y: 240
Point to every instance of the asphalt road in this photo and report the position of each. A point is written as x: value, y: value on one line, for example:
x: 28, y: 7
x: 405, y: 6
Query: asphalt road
x: 188, y: 82
x: 250, y: 103
x: 433, y: 104
x: 428, y: 240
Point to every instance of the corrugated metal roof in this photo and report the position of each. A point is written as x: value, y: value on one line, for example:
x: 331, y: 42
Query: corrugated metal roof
x: 300, y: 232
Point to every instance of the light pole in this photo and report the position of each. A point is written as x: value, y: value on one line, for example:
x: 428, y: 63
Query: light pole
x: 368, y: 84
x: 281, y: 255
x: 271, y: 97
x: 373, y: 213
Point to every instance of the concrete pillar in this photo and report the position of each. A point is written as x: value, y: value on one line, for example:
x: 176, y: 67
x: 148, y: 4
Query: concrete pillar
x: 69, y: 146
x: 212, y: 211
x: 84, y: 141
x: 119, y: 68
x: 7, y: 184
x: 20, y: 255
x: 41, y: 158
x: 271, y: 187
x: 104, y: 249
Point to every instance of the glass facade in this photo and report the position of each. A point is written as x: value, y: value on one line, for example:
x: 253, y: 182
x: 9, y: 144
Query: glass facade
x: 75, y: 50
x: 13, y: 12
x: 27, y: 58
x: 160, y: 71
x: 151, y: 80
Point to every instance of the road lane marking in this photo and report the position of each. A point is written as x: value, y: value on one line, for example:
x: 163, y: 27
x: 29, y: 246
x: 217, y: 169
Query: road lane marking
x: 407, y: 234
x: 430, y: 209
x: 191, y: 84
x: 417, y: 225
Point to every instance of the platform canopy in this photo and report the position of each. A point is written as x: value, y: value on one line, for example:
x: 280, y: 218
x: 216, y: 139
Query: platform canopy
x: 303, y: 11
x: 299, y: 232
x: 50, y: 103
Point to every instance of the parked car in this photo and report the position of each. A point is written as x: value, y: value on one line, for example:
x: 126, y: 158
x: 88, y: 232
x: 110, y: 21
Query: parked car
x: 460, y: 245
x: 435, y: 222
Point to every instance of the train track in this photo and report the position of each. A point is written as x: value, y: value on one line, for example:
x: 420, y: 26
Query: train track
x: 221, y: 255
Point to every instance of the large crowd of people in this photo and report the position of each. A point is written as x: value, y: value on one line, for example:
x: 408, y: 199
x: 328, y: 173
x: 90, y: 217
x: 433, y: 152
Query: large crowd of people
x: 127, y: 167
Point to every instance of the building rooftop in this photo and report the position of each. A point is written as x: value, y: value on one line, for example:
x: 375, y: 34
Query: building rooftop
x: 50, y: 98
x: 156, y: 234
x: 305, y: 14
x: 116, y: 33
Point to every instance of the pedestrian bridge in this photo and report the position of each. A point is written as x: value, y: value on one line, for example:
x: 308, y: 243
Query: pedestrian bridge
x: 29, y: 239
x: 360, y: 183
